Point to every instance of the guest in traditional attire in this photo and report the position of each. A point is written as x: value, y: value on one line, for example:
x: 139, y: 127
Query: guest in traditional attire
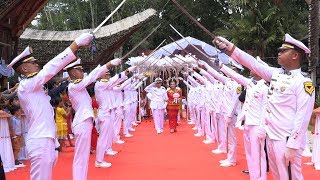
x: 6, y: 151
x: 174, y: 98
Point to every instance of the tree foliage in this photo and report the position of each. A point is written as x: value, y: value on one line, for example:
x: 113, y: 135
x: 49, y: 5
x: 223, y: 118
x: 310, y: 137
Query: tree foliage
x: 258, y: 25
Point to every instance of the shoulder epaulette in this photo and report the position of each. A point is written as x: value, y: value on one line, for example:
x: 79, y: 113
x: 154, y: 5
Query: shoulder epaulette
x: 305, y: 74
x: 32, y: 74
x: 77, y: 81
x: 104, y: 80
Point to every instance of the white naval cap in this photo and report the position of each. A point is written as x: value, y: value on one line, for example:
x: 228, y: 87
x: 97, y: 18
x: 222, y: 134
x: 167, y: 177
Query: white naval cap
x: 75, y: 65
x: 260, y: 61
x: 291, y: 43
x: 25, y: 56
x: 158, y: 80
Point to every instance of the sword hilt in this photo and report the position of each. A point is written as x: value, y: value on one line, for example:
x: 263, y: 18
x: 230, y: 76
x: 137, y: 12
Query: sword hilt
x: 93, y: 46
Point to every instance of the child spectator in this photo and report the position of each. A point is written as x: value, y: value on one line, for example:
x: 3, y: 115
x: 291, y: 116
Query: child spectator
x: 17, y: 132
x: 62, y: 113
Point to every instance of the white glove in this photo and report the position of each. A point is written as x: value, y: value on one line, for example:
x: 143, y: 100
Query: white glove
x: 180, y: 78
x: 141, y: 76
x: 84, y: 39
x: 202, y: 63
x: 136, y: 76
x: 132, y: 68
x: 290, y: 154
x: 223, y: 44
x: 194, y: 65
x: 115, y: 62
x: 261, y: 133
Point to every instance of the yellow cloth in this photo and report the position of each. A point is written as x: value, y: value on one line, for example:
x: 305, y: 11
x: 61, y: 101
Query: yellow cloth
x: 61, y: 123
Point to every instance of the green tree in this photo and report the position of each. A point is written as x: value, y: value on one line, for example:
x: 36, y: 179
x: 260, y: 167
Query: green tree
x: 259, y: 25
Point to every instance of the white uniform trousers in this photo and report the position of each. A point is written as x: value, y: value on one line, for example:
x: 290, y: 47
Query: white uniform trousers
x: 307, y: 151
x: 221, y: 132
x: 134, y: 113
x: 255, y: 154
x: 277, y: 161
x: 82, y: 134
x: 200, y: 123
x: 232, y: 142
x: 105, y: 136
x: 42, y: 156
x: 127, y: 118
x: 6, y: 151
x: 214, y: 126
x: 192, y: 112
x: 117, y: 122
x: 316, y: 144
x: 110, y: 135
x: 209, y: 127
x: 158, y: 117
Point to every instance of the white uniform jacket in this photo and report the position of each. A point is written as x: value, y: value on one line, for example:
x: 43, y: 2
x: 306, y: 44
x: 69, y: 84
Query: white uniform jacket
x: 79, y: 96
x: 159, y: 96
x: 253, y: 109
x: 104, y: 93
x: 290, y: 100
x: 34, y: 101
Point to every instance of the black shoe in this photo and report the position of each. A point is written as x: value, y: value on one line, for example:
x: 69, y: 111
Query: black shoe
x: 245, y: 171
x: 17, y: 162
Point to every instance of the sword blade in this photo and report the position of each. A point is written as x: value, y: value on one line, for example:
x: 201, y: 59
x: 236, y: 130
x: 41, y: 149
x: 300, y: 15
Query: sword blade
x: 152, y: 53
x: 172, y: 58
x: 197, y: 49
x: 107, y: 18
x: 143, y: 40
x: 193, y: 19
x: 178, y: 45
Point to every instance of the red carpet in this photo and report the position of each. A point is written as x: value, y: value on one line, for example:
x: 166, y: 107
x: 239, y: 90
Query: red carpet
x: 149, y: 156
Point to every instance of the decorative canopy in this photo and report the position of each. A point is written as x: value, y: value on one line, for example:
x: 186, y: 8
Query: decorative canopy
x: 181, y: 54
